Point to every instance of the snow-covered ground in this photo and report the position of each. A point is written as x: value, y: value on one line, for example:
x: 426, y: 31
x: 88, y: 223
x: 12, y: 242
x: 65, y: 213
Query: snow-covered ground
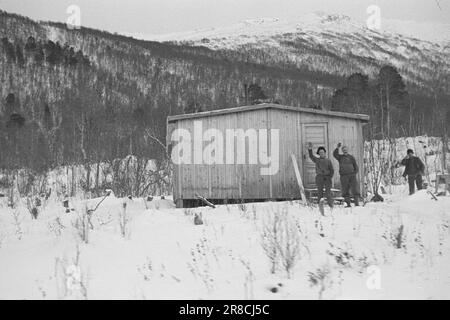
x: 396, y: 249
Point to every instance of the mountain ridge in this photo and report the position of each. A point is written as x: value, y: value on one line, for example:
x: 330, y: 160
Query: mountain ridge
x: 337, y: 35
x: 276, y: 25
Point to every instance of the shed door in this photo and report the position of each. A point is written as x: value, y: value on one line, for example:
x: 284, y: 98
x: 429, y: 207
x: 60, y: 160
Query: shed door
x: 317, y: 134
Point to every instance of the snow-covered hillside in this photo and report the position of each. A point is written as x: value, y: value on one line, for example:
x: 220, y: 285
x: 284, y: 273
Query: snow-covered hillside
x: 397, y: 249
x: 428, y: 31
x: 339, y: 38
x: 249, y: 30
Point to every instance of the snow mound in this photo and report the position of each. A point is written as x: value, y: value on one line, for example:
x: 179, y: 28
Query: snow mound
x: 161, y: 204
x: 423, y: 204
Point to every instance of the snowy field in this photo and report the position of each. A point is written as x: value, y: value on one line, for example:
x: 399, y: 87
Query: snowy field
x: 399, y: 249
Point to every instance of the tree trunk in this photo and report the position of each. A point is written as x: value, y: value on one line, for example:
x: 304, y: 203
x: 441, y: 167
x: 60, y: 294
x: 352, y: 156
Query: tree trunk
x: 444, y: 152
x: 97, y: 177
x: 388, y: 113
x: 382, y: 113
x: 410, y: 118
x: 432, y: 131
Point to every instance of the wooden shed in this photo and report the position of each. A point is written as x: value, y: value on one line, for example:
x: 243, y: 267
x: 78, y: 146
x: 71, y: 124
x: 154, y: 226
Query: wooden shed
x: 230, y: 155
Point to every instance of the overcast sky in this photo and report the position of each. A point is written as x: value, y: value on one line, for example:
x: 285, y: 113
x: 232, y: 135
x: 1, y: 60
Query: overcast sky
x: 166, y: 16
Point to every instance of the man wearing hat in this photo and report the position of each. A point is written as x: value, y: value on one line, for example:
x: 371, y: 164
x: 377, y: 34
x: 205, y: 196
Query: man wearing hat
x: 324, y: 173
x: 414, y: 169
x: 348, y: 169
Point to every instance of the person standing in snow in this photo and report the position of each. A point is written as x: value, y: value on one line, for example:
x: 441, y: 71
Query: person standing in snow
x: 324, y: 173
x: 414, y: 169
x: 348, y: 169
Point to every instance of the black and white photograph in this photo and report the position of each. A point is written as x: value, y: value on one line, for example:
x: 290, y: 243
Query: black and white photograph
x: 224, y: 150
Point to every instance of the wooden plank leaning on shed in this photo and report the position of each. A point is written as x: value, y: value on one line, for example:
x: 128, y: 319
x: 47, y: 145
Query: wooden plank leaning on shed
x: 299, y: 178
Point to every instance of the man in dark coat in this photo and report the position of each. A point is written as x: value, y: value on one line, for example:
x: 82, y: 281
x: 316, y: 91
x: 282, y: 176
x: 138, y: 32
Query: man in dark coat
x: 324, y: 173
x: 348, y: 169
x: 414, y: 169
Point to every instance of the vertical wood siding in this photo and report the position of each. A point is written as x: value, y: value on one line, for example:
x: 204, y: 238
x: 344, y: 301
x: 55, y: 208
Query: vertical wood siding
x: 244, y: 181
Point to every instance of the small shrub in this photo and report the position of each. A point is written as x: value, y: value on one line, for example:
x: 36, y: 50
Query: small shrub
x: 289, y: 246
x: 198, y: 219
x: 56, y: 227
x: 17, y: 221
x: 280, y: 239
x: 342, y: 257
x: 269, y: 240
x: 242, y: 207
x: 321, y: 279
x: 32, y: 207
x: 146, y: 270
x: 396, y: 237
x: 82, y: 225
x: 124, y: 221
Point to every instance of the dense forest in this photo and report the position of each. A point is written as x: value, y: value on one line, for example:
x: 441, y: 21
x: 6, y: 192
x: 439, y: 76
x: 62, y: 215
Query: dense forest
x: 85, y: 96
x: 394, y: 111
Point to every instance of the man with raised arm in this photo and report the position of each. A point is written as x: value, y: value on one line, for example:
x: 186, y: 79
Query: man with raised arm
x: 348, y: 169
x: 324, y: 173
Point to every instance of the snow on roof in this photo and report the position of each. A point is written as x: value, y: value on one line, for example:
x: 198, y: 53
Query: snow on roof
x: 357, y: 116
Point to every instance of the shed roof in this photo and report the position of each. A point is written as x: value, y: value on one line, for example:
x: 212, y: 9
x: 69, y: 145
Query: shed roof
x: 361, y: 117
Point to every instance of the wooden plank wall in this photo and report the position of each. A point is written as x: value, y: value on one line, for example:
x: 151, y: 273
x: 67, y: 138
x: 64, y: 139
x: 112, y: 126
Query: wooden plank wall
x: 244, y: 181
